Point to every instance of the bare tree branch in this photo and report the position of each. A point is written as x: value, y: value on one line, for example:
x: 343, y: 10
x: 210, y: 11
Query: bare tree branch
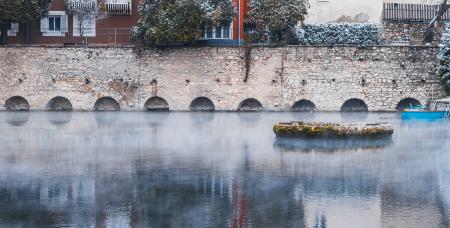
x: 442, y: 9
x: 87, y: 12
x: 429, y: 33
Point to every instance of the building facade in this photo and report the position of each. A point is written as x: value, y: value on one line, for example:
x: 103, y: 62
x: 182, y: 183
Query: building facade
x: 60, y: 27
x: 356, y: 11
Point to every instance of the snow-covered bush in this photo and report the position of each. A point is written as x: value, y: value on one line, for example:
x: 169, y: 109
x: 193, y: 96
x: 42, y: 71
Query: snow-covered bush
x: 179, y: 21
x: 444, y: 58
x: 337, y: 34
x: 273, y: 21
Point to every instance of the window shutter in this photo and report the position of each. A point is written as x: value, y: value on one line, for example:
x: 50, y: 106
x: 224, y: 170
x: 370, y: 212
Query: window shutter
x: 64, y: 23
x: 44, y: 24
x: 15, y: 27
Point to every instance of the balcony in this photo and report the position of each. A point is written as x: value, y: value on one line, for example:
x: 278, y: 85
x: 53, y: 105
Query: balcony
x: 82, y: 4
x: 118, y: 7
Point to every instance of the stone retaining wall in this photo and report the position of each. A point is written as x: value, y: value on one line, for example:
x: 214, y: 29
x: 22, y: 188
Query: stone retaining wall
x: 275, y: 77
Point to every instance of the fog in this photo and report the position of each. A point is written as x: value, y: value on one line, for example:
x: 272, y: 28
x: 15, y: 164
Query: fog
x: 217, y: 169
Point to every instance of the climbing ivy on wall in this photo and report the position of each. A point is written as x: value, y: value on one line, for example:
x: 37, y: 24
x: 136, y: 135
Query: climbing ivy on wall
x: 444, y: 58
x: 337, y: 34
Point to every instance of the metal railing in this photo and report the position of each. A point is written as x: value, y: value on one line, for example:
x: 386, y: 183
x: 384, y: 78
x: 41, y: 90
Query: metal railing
x: 411, y: 12
x: 91, y: 36
x: 118, y: 7
x: 78, y: 4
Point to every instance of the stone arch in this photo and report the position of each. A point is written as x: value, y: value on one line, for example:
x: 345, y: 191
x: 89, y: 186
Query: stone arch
x: 354, y: 105
x: 407, y: 103
x: 250, y: 105
x: 156, y: 104
x: 59, y: 104
x: 304, y: 106
x: 17, y: 103
x: 202, y: 104
x: 106, y: 104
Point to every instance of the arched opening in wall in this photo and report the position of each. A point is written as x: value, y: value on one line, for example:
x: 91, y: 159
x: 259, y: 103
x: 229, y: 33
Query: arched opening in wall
x: 250, y: 105
x: 407, y: 103
x: 304, y: 106
x: 156, y: 104
x: 17, y: 103
x: 354, y: 105
x: 202, y: 104
x: 106, y: 104
x: 59, y: 104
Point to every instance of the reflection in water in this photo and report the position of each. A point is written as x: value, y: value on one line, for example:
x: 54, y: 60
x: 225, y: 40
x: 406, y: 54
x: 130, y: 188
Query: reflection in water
x: 354, y: 116
x: 147, y: 170
x: 202, y: 118
x: 336, y: 145
x: 59, y: 118
x: 250, y: 117
x: 303, y: 116
x: 16, y: 118
x: 105, y: 119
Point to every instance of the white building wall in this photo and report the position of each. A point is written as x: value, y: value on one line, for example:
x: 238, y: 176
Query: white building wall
x: 325, y: 11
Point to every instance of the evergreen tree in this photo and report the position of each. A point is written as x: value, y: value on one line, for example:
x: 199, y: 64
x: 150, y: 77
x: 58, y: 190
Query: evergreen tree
x: 274, y: 20
x: 179, y: 21
x: 20, y: 11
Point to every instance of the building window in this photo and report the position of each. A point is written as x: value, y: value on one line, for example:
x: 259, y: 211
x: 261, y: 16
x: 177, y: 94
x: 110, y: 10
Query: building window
x: 223, y: 32
x: 54, y: 23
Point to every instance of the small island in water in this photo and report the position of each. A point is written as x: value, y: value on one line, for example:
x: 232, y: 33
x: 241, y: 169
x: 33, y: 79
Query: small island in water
x: 333, y: 130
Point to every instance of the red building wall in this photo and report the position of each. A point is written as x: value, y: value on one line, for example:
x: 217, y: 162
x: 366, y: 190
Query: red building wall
x: 238, y: 24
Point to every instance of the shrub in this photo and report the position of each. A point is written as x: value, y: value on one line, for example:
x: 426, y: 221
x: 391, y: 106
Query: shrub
x: 337, y: 34
x: 164, y: 22
x: 273, y: 20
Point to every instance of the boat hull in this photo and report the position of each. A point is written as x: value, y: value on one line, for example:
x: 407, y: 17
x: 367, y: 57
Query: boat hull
x: 423, y: 115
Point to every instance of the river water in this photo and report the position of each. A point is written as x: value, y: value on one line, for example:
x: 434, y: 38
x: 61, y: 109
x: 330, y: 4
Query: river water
x: 217, y: 170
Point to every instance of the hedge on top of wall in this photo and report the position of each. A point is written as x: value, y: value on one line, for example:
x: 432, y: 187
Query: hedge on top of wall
x: 337, y: 34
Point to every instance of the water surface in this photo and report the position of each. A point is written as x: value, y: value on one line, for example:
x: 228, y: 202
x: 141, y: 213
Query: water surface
x: 217, y: 170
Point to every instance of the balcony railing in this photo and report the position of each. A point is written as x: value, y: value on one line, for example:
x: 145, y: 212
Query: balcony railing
x: 82, y: 4
x: 411, y: 12
x: 118, y: 7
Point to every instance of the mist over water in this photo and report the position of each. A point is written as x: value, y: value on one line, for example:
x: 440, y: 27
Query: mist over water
x: 217, y: 170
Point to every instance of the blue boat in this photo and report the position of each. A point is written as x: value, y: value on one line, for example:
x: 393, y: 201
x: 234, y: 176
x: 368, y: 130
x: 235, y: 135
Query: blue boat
x: 438, y: 109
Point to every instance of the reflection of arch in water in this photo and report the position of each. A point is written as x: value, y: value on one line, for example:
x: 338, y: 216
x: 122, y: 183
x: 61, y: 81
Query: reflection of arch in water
x: 407, y: 103
x: 199, y: 118
x: 250, y: 105
x: 303, y: 116
x: 106, y: 104
x: 17, y: 103
x: 59, y: 118
x: 156, y: 119
x: 202, y: 104
x: 331, y: 145
x: 106, y: 119
x: 156, y: 104
x: 354, y: 105
x: 249, y: 117
x: 59, y: 104
x: 17, y: 118
x: 304, y: 106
